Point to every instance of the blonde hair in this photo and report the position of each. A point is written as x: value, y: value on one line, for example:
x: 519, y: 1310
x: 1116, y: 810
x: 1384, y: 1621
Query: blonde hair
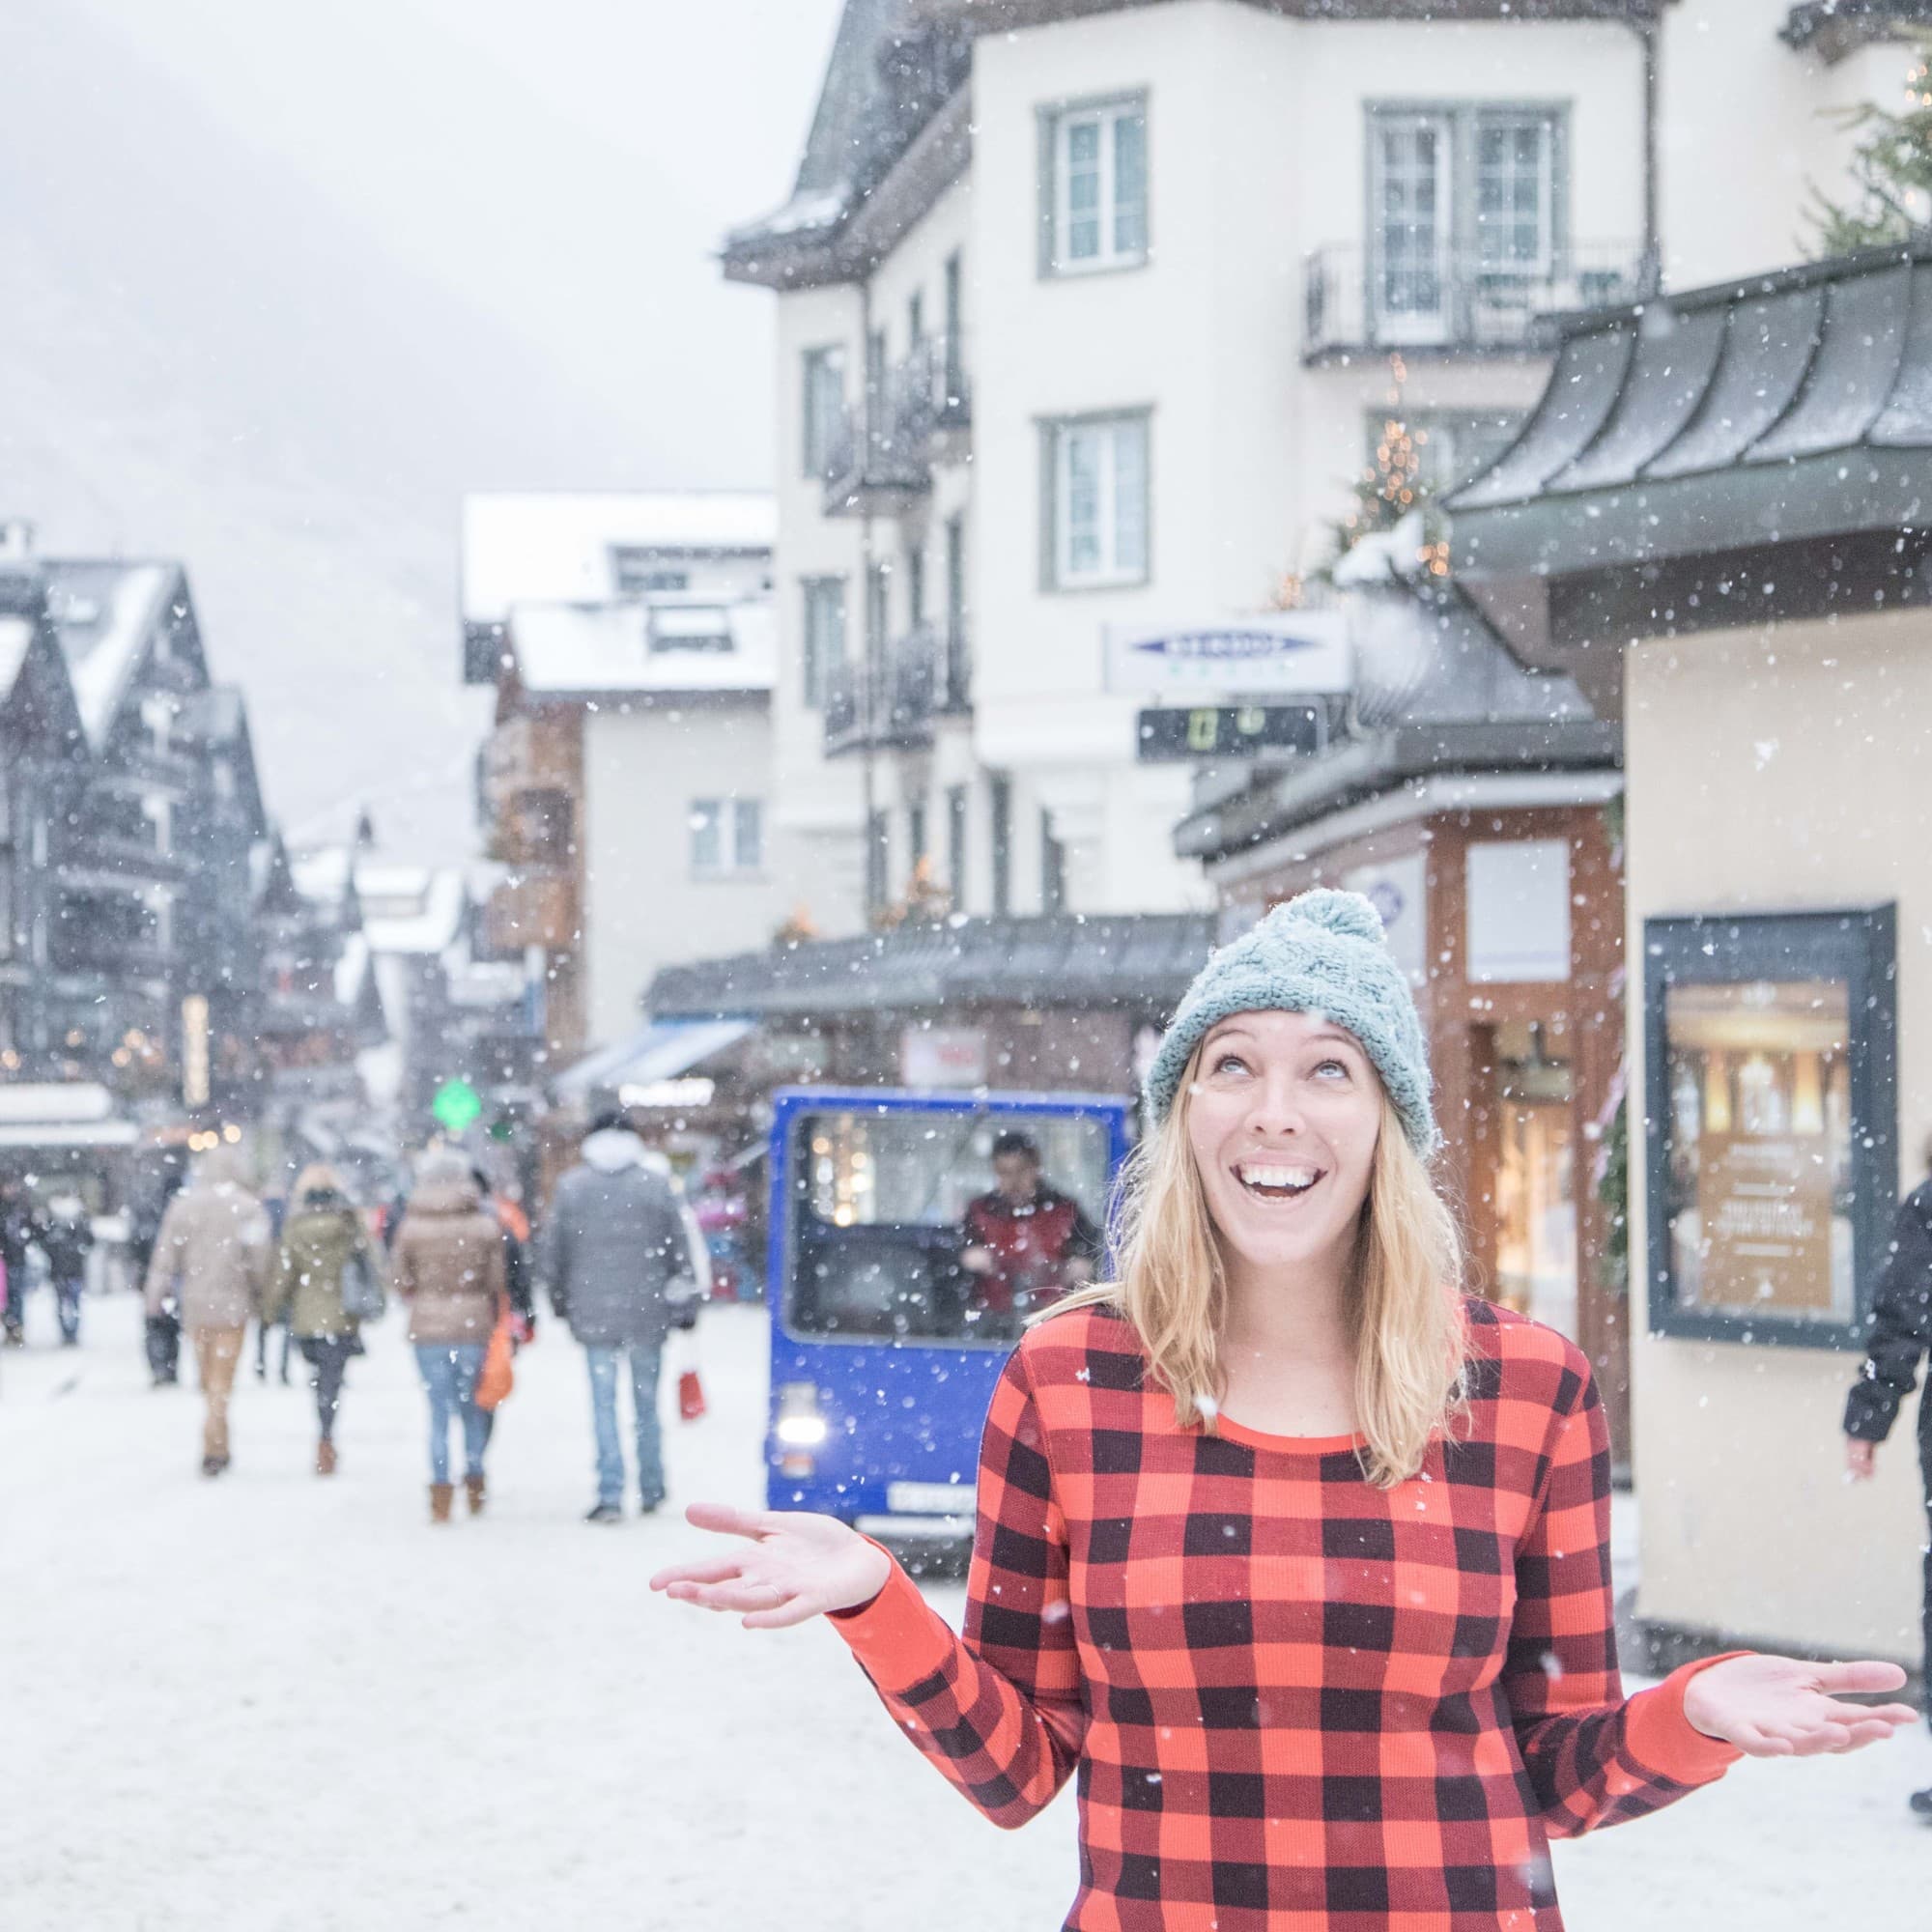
x: 1404, y: 1308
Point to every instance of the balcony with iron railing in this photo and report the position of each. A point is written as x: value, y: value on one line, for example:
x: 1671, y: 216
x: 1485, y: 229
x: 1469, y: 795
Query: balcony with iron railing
x: 890, y: 703
x: 880, y: 457
x: 1387, y: 298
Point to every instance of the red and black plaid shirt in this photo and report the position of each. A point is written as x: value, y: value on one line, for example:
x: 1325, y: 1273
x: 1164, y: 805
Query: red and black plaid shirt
x: 1294, y: 1700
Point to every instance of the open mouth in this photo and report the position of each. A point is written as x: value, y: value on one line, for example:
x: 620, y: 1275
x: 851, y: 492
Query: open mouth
x: 1277, y: 1180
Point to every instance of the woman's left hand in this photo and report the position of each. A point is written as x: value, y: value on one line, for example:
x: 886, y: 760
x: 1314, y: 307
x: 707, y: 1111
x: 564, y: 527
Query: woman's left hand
x: 1777, y: 1707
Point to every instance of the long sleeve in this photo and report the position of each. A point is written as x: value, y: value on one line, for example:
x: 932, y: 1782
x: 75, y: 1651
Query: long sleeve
x: 164, y: 1264
x: 1593, y: 1756
x: 1901, y: 1328
x: 554, y: 1250
x: 999, y: 1710
x: 280, y: 1283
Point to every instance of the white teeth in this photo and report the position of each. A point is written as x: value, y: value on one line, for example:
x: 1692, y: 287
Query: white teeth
x: 1297, y: 1178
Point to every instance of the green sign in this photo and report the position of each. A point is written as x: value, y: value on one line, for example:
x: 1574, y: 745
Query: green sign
x: 456, y: 1106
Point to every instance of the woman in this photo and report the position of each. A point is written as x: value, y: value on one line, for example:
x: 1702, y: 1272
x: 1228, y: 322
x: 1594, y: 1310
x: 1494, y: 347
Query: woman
x: 1300, y: 1558
x: 321, y: 1238
x: 448, y: 1263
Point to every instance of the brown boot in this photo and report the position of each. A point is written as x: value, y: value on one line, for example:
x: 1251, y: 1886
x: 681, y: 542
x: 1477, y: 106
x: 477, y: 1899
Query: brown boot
x: 472, y: 1488
x: 325, y: 1457
x: 440, y: 1496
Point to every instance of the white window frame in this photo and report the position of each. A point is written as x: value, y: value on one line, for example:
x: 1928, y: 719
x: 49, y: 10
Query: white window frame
x: 829, y: 357
x: 1413, y: 325
x: 1106, y: 118
x: 739, y: 824
x: 1103, y: 433
x: 819, y: 655
x: 1543, y: 265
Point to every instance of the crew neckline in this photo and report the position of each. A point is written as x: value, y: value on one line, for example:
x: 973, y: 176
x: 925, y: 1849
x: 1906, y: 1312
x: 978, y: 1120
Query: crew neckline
x: 1287, y: 1445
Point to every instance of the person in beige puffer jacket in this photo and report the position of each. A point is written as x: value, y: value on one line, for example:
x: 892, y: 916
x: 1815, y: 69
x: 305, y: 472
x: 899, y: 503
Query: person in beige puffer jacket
x: 448, y: 1266
x: 210, y: 1255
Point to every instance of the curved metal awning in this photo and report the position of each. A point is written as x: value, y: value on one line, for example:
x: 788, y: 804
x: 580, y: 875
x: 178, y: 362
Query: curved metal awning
x: 1789, y: 407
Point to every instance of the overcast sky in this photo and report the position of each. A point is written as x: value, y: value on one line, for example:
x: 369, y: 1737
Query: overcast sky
x: 568, y: 164
x: 279, y: 284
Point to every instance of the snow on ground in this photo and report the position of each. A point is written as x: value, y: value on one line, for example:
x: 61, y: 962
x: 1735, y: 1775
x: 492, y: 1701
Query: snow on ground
x: 285, y: 1705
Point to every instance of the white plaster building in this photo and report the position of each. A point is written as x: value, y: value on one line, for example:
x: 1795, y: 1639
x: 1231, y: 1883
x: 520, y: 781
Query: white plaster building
x: 1090, y: 315
x: 627, y: 783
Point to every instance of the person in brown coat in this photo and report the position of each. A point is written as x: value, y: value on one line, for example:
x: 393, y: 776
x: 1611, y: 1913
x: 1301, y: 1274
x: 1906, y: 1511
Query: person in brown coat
x: 210, y: 1255
x: 448, y: 1267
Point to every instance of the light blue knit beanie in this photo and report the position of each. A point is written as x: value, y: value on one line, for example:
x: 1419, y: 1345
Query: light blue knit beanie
x: 1323, y: 952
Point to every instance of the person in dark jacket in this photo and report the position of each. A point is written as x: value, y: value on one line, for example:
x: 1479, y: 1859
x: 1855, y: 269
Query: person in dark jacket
x: 1901, y: 1334
x: 161, y: 1333
x: 16, y: 1231
x: 618, y: 1255
x: 65, y: 1237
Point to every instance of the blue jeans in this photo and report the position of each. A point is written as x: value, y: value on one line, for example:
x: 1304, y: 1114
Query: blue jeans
x: 67, y: 1300
x: 450, y: 1372
x: 645, y: 1357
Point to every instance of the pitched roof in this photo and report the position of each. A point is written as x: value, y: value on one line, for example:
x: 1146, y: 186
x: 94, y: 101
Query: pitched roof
x: 1142, y: 962
x: 649, y: 646
x: 104, y: 615
x: 890, y: 75
x: 558, y: 546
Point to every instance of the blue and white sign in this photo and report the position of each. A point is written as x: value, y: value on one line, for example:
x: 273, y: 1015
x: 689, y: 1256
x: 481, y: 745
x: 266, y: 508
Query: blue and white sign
x: 1305, y: 652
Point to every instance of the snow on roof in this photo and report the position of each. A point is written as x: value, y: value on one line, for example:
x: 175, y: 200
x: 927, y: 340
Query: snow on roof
x: 623, y: 647
x: 17, y: 639
x: 104, y: 615
x: 429, y: 931
x: 557, y: 547
x: 323, y: 874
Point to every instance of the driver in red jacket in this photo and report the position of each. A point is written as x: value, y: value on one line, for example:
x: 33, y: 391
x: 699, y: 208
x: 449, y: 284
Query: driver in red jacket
x: 1026, y: 1242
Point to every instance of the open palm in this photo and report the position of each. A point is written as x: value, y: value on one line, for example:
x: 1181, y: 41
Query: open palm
x: 791, y: 1566
x: 1780, y: 1707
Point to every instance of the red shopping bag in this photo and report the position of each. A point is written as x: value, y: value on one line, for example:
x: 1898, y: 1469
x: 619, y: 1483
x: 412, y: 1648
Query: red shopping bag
x: 497, y: 1377
x: 690, y: 1396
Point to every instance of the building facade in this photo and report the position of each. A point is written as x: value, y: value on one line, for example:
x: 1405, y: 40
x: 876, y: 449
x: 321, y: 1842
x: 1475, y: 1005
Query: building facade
x: 1730, y: 529
x: 627, y: 784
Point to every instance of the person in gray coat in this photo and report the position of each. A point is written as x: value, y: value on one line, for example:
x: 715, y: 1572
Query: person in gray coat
x: 616, y: 1254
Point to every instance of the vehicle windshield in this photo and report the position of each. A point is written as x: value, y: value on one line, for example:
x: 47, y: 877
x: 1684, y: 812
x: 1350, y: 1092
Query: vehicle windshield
x: 940, y: 1226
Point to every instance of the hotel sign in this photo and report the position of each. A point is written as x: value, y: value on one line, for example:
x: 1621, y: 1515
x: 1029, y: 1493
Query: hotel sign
x: 1305, y: 652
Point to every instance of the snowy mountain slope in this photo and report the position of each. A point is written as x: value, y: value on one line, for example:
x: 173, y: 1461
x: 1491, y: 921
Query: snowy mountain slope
x: 200, y: 357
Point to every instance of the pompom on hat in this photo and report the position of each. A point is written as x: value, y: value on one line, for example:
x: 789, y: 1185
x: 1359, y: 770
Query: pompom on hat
x: 1323, y: 952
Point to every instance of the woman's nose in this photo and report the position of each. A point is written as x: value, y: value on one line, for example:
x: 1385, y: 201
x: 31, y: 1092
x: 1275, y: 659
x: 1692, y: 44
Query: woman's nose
x: 1276, y: 1108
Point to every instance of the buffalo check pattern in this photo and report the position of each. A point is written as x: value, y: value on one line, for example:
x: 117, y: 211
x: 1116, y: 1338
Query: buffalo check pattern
x: 1290, y: 1699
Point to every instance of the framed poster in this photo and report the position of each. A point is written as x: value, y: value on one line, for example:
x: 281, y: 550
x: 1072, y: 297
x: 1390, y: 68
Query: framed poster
x: 1772, y: 1159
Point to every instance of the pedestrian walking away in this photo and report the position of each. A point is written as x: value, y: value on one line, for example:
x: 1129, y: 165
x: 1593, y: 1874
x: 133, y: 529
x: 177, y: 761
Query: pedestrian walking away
x: 211, y: 1255
x: 323, y: 1242
x: 16, y: 1231
x: 1901, y: 1336
x: 65, y: 1236
x: 1294, y: 1553
x: 622, y: 1257
x: 160, y: 1332
x: 447, y: 1264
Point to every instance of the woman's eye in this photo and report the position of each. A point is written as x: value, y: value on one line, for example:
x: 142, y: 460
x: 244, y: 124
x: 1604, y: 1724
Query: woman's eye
x: 1334, y: 1066
x: 1226, y: 1060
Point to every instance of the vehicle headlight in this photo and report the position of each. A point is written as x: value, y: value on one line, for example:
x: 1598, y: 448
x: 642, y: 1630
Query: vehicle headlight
x: 801, y: 1432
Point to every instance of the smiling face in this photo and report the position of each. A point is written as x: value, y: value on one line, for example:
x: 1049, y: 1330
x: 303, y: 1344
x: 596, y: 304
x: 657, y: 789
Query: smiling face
x: 1283, y: 1118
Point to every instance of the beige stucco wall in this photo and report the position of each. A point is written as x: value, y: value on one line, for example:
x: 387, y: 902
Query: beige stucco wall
x: 1777, y: 770
x: 643, y: 909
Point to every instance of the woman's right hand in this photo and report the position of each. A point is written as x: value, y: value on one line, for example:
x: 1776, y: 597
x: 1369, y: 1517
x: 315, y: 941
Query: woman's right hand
x: 794, y: 1566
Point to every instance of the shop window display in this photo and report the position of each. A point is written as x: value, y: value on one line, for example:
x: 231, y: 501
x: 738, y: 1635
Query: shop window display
x: 1771, y: 1165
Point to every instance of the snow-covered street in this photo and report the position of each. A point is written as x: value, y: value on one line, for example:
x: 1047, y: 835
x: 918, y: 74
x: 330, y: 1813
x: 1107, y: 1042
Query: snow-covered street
x: 273, y: 1702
